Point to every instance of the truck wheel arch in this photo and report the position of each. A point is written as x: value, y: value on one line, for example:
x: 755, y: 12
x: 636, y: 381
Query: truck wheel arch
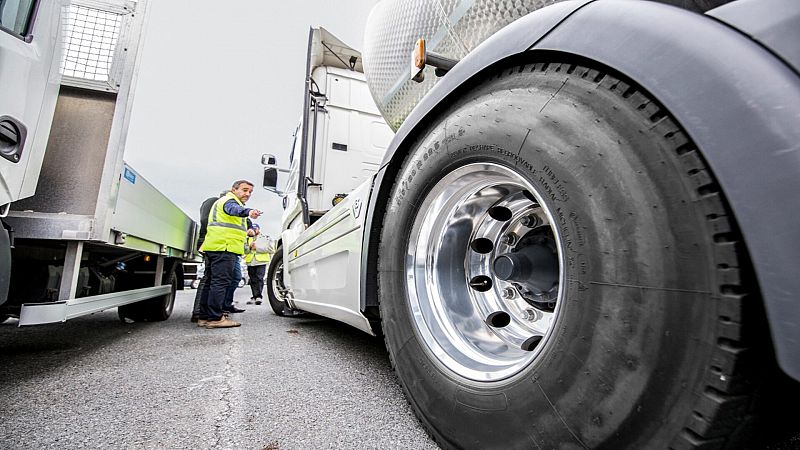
x: 698, y: 59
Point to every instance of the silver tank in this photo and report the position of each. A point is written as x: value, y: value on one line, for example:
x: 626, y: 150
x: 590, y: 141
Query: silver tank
x: 451, y: 28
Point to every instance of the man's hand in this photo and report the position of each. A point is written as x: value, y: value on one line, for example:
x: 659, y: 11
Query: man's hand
x: 255, y: 213
x: 252, y: 246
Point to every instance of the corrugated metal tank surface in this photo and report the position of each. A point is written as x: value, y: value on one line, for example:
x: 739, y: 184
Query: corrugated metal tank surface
x: 451, y: 28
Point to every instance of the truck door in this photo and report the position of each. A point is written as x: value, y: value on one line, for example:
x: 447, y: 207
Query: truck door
x: 28, y: 87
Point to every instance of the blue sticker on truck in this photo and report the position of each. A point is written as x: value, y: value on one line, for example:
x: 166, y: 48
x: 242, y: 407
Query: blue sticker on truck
x: 129, y: 175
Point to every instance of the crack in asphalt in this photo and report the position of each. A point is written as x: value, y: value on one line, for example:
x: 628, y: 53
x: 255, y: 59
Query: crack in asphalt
x: 231, y: 392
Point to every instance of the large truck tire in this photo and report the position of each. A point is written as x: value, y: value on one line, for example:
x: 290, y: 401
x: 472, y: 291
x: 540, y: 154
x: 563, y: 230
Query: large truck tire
x: 275, y: 283
x: 5, y: 264
x: 160, y: 308
x: 558, y: 269
x: 152, y: 310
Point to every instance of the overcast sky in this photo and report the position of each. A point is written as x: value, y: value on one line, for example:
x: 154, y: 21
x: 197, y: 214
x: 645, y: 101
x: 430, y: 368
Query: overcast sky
x: 220, y: 83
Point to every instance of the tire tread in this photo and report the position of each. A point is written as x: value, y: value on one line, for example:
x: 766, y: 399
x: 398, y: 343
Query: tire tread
x: 728, y: 392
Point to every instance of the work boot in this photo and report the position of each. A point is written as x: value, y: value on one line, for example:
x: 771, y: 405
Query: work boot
x: 235, y: 310
x: 224, y: 322
x: 258, y: 301
x: 250, y: 302
x: 195, y: 318
x: 201, y: 322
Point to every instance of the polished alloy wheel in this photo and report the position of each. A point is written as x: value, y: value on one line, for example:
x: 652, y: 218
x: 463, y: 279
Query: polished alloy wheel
x: 483, y: 272
x: 276, y: 283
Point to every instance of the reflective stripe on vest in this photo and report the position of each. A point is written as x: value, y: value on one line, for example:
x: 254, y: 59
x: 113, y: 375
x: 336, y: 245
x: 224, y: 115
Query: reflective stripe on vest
x: 225, y: 233
x: 212, y: 218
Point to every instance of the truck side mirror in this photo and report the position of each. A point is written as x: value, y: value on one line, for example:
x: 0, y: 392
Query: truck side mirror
x: 271, y: 179
x: 271, y: 171
x: 269, y: 160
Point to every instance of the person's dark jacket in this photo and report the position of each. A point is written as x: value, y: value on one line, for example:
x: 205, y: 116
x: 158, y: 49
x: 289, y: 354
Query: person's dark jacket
x: 232, y: 208
x: 205, y: 210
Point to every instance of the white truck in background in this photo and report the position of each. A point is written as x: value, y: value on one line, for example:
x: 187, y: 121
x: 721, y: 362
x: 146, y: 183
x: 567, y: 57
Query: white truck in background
x: 338, y: 146
x: 583, y: 233
x: 82, y: 231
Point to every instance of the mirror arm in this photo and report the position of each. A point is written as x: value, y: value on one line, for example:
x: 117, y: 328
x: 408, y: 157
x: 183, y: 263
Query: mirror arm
x: 275, y: 191
x: 278, y: 169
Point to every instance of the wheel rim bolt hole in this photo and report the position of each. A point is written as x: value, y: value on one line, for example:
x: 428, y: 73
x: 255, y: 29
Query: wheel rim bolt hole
x: 498, y: 319
x: 531, y: 343
x: 500, y: 213
x: 482, y: 245
x: 481, y: 283
x: 530, y: 196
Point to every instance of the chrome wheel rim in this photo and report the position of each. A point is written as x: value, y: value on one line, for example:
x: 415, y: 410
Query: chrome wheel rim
x: 471, y: 224
x: 276, y: 284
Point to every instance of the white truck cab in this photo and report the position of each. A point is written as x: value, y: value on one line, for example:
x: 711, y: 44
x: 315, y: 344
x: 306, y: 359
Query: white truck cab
x: 348, y: 139
x: 338, y: 147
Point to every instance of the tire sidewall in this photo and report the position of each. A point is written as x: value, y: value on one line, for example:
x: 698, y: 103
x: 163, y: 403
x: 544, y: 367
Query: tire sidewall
x: 160, y: 308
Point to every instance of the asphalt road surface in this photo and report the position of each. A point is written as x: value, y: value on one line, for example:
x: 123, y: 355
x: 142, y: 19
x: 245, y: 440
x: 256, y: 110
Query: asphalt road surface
x: 276, y: 383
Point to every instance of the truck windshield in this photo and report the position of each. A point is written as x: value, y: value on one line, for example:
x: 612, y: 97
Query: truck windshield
x: 15, y: 16
x: 294, y: 143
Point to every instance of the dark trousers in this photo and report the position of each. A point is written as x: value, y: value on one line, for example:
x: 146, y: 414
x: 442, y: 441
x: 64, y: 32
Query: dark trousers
x: 237, y: 277
x: 220, y: 275
x: 257, y: 279
x: 200, y: 285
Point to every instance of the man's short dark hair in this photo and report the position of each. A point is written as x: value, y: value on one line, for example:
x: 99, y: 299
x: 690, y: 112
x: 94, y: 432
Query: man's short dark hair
x: 238, y: 183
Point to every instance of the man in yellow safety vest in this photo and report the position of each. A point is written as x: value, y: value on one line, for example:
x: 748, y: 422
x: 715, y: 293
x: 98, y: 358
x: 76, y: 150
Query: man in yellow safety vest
x: 224, y: 243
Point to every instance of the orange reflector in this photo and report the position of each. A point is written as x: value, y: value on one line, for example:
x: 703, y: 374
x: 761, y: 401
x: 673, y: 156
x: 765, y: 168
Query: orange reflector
x: 338, y: 199
x: 146, y: 258
x: 419, y: 54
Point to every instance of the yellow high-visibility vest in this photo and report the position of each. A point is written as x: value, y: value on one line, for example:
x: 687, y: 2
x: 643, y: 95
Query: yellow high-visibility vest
x: 250, y: 253
x: 225, y: 233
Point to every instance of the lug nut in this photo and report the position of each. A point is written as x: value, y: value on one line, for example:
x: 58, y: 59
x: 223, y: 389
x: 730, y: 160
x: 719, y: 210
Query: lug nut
x: 529, y: 314
x: 529, y: 221
x: 509, y: 239
x: 509, y: 293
